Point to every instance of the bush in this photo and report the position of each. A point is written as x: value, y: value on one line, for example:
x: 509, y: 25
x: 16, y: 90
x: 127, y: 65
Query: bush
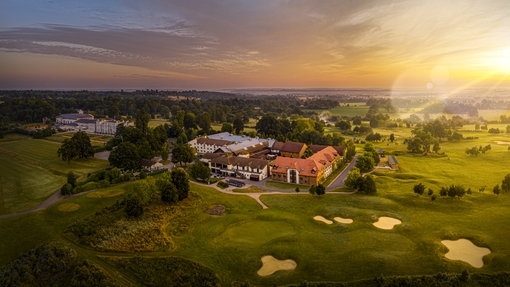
x: 222, y: 184
x: 99, y: 148
x: 118, y: 180
x: 90, y: 186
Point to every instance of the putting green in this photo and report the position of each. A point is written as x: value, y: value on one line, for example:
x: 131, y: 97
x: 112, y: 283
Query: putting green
x: 256, y: 232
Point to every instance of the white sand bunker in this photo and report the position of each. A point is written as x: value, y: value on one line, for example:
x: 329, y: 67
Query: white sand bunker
x: 386, y: 223
x: 465, y: 250
x: 270, y: 265
x: 320, y: 218
x: 343, y: 220
x: 502, y: 142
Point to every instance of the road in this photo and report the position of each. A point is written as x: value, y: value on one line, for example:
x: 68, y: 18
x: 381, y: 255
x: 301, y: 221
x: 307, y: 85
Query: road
x: 338, y: 182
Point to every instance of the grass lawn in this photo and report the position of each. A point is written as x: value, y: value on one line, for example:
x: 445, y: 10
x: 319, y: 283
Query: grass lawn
x: 95, y: 139
x: 232, y: 245
x: 251, y: 189
x: 353, y: 110
x: 156, y: 122
x: 286, y: 186
x: 31, y: 171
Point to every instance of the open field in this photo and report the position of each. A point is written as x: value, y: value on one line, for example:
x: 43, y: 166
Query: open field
x: 233, y: 245
x: 31, y: 171
x: 353, y: 110
x: 95, y: 139
x: 156, y: 122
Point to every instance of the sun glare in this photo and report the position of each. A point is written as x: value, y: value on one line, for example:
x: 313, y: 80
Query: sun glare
x: 499, y: 60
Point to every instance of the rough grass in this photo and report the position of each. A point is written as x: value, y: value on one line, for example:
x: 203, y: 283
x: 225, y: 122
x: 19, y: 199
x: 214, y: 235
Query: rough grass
x: 105, y: 193
x: 67, y: 207
x: 31, y: 171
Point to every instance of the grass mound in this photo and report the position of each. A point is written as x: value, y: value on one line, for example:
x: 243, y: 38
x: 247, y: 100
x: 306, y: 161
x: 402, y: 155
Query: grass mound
x: 111, y: 230
x: 67, y: 207
x: 167, y: 271
x: 256, y: 232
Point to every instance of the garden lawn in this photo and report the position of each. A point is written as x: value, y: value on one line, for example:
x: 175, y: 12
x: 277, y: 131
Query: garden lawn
x: 31, y: 171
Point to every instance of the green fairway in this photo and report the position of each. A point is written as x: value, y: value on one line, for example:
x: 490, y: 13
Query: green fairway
x: 256, y: 232
x: 31, y: 171
x: 232, y: 245
x: 353, y: 110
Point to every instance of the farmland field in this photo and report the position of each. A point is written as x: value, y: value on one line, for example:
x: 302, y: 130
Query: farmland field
x: 31, y: 171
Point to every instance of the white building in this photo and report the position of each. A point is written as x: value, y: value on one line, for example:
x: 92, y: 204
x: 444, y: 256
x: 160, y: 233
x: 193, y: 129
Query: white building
x: 87, y: 123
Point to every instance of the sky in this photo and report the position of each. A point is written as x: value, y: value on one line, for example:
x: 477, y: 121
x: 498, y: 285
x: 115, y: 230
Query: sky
x: 230, y: 44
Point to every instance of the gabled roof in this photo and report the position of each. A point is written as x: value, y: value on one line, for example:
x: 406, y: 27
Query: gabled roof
x: 215, y: 142
x: 277, y: 145
x: 211, y: 155
x: 86, y: 121
x: 293, y: 147
x: 325, y: 156
x: 316, y: 148
x: 75, y: 116
x: 392, y: 159
x: 241, y: 161
x: 305, y: 167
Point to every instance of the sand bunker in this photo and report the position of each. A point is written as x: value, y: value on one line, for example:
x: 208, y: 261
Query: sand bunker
x: 270, y: 265
x: 386, y: 223
x: 69, y: 207
x: 502, y: 142
x: 465, y: 250
x: 343, y: 220
x: 320, y: 218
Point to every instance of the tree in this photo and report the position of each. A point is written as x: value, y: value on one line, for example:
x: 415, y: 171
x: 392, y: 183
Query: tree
x: 320, y: 190
x: 204, y: 121
x: 142, y: 121
x: 312, y: 190
x: 297, y: 190
x: 268, y: 126
x: 183, y: 153
x: 165, y: 151
x: 200, y: 171
x: 392, y: 137
x: 227, y: 127
x: 169, y: 193
x: 134, y: 207
x: 77, y: 146
x: 430, y: 192
x: 238, y: 125
x: 308, y: 153
x: 344, y: 125
x: 181, y: 139
x: 436, y: 147
x: 71, y: 178
x: 419, y: 189
x: 368, y: 185
x: 496, y: 189
x: 353, y: 178
x: 180, y: 180
x: 505, y: 184
x: 66, y: 189
x: 365, y: 162
x: 125, y: 156
x: 433, y: 197
x: 443, y: 191
x: 81, y: 143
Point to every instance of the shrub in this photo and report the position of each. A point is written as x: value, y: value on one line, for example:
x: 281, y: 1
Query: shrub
x: 222, y: 184
x: 89, y: 186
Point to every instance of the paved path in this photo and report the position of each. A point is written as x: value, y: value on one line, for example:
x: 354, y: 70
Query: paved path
x: 339, y: 180
x: 54, y: 199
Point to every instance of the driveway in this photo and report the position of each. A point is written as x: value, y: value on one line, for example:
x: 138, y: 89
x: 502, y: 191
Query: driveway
x: 339, y: 180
